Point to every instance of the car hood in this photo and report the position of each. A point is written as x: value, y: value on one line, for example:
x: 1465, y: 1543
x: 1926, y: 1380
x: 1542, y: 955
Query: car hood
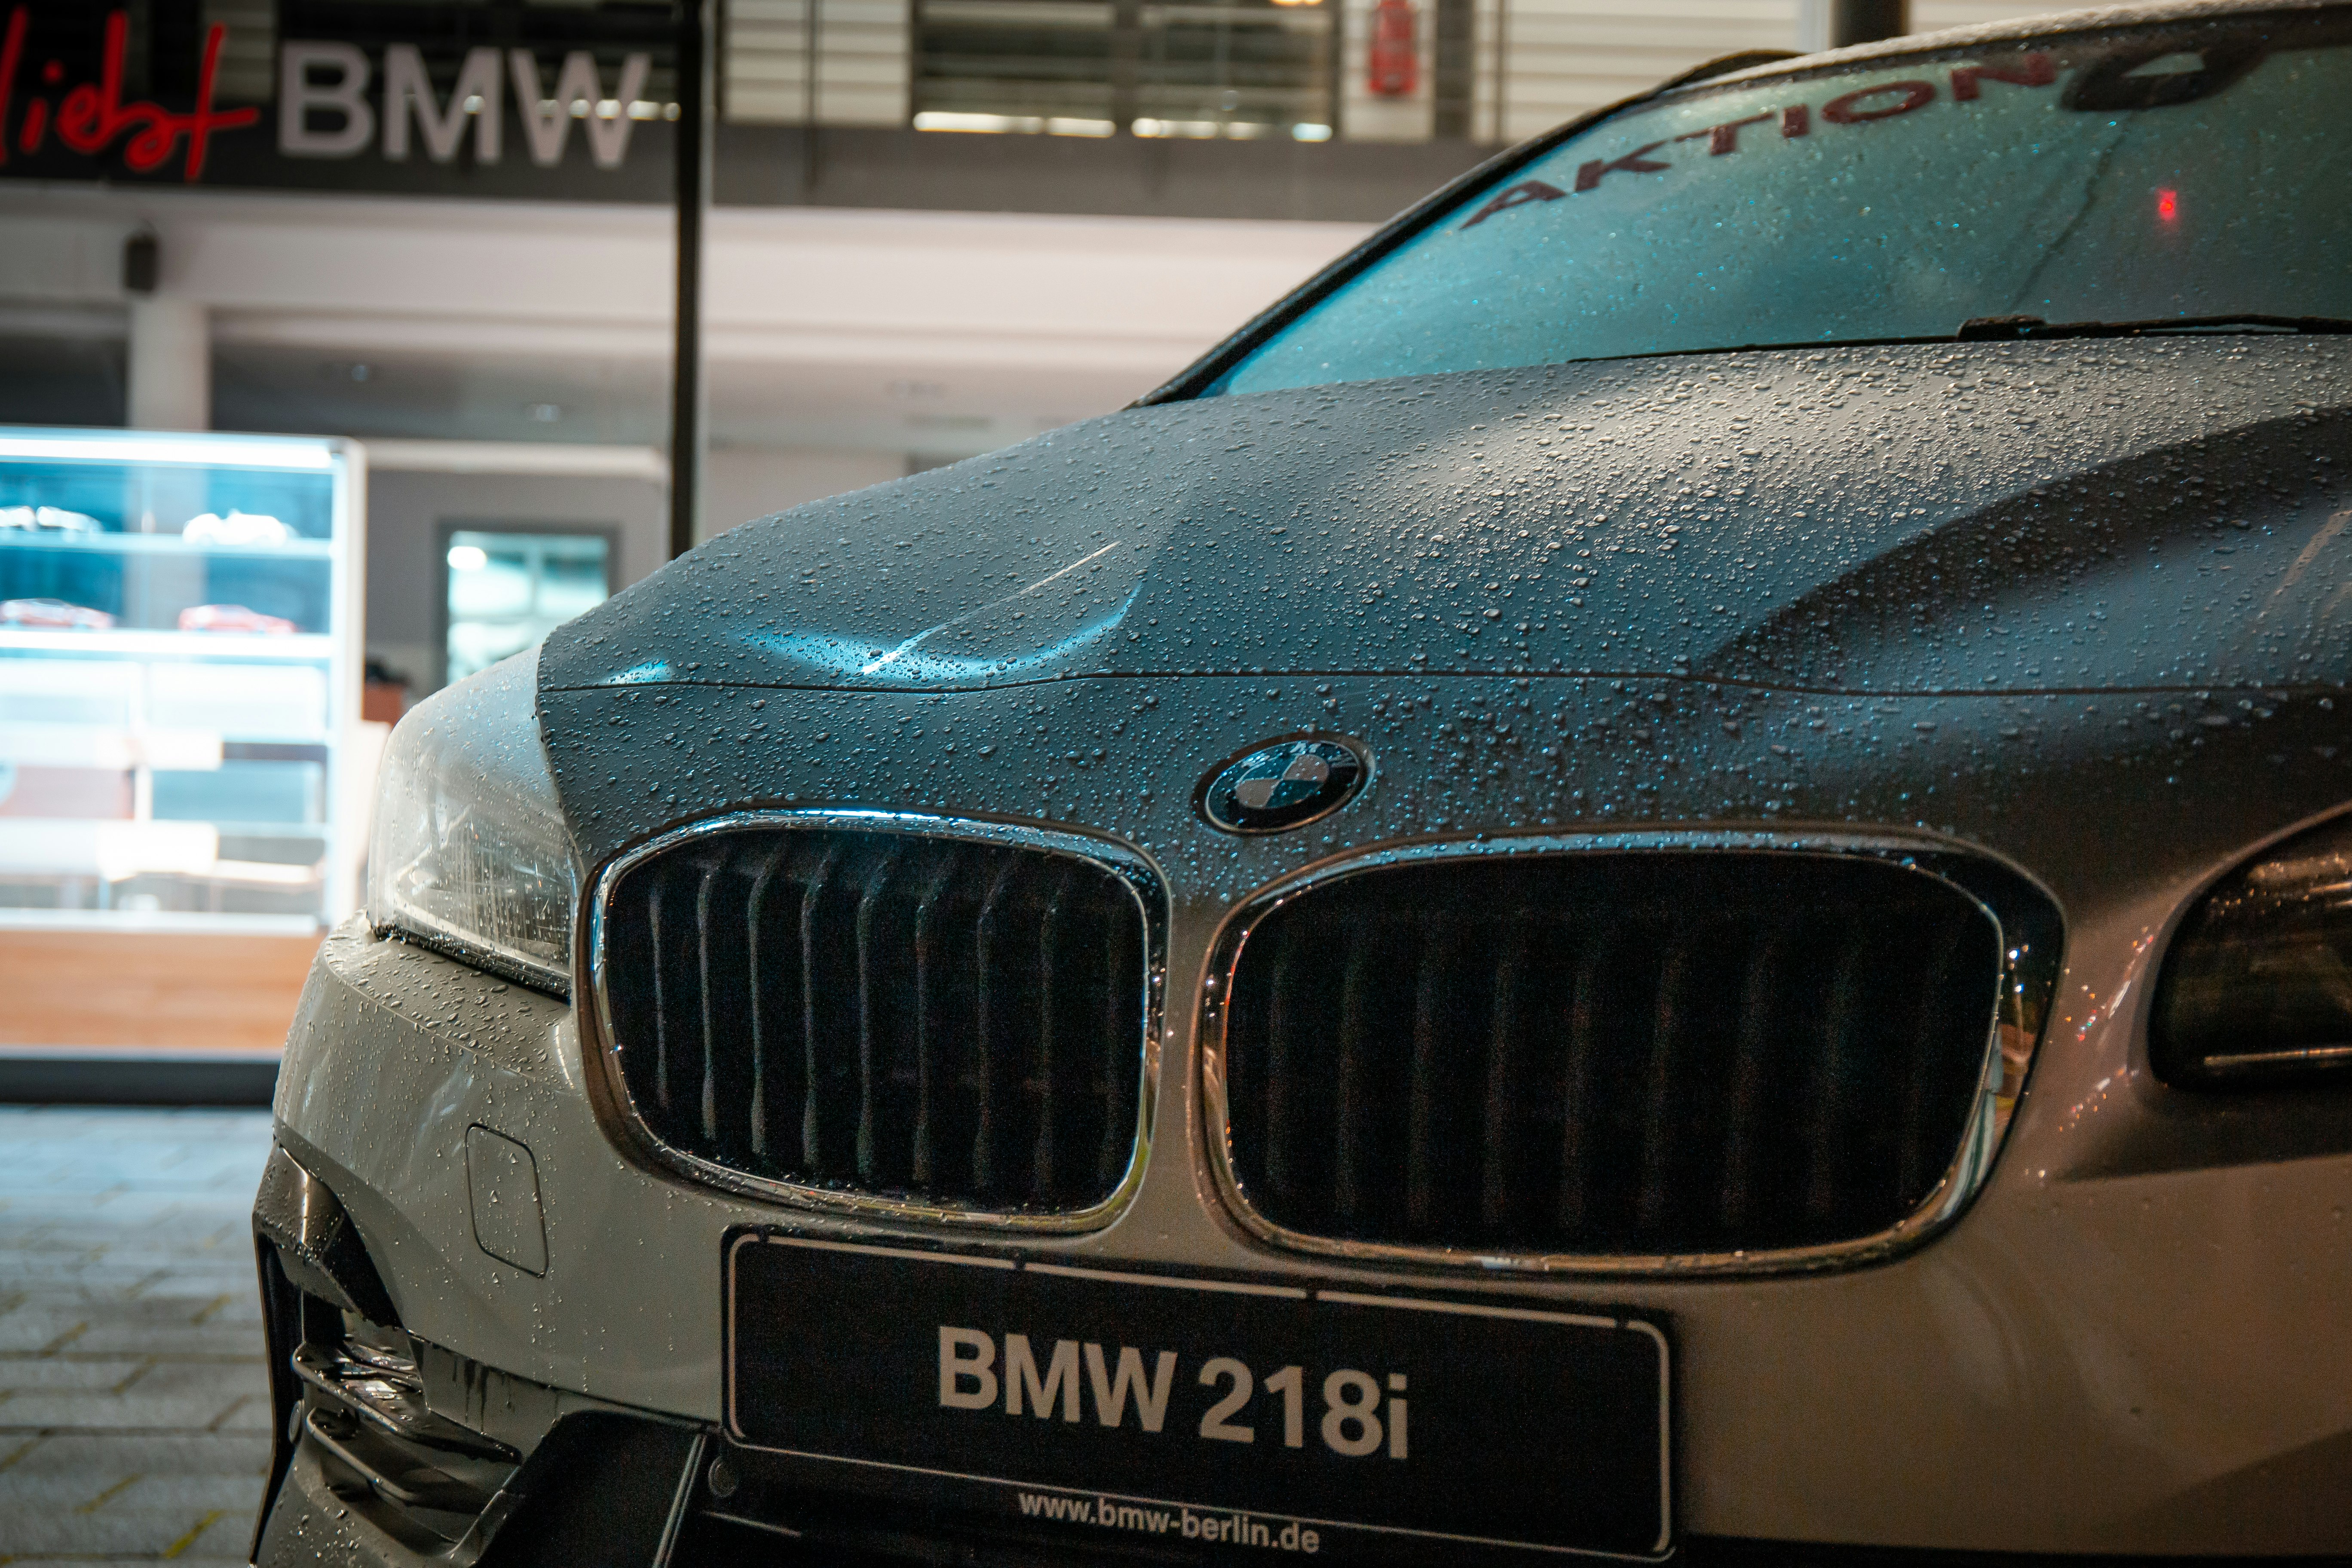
x: 1940, y: 519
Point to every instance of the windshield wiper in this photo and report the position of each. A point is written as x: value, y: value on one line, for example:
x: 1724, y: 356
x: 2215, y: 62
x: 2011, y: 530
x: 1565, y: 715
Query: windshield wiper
x: 2008, y: 329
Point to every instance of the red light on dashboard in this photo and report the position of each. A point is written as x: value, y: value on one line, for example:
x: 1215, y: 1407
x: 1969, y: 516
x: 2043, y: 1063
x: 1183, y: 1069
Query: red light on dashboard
x: 2167, y: 205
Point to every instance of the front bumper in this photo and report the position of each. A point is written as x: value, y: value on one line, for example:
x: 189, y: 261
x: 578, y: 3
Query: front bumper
x: 2129, y: 1343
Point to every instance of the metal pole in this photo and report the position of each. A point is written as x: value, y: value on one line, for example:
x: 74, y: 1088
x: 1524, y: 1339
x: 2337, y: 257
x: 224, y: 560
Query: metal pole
x: 812, y: 94
x: 689, y: 404
x: 1454, y: 70
x: 1867, y: 21
x: 1126, y: 48
x: 1502, y: 72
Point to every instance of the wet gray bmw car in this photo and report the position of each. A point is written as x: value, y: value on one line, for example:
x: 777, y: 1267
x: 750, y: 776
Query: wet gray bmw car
x: 1660, y: 871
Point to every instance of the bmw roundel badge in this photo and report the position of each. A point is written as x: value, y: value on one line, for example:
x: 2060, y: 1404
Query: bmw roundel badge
x: 1283, y: 784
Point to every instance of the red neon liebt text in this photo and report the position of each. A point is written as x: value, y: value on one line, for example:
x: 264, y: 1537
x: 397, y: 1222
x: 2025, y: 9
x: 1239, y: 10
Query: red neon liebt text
x: 92, y: 118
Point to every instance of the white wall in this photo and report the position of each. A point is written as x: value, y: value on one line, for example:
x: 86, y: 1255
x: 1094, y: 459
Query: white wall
x: 746, y: 483
x: 930, y: 332
x: 1565, y: 58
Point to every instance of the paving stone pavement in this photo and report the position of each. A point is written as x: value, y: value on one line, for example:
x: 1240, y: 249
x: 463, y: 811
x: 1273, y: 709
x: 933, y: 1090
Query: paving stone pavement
x: 134, y: 1408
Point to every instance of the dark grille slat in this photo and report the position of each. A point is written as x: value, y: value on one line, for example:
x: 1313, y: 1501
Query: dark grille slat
x: 1041, y: 1081
x: 1831, y: 1095
x: 928, y: 958
x: 869, y: 1005
x: 1921, y: 1164
x: 948, y: 1020
x: 1421, y: 1174
x: 661, y: 1013
x: 1665, y: 1096
x: 755, y: 922
x: 1607, y: 1052
x: 812, y: 1058
x: 1276, y: 1131
x: 1121, y: 991
x: 1584, y: 1043
x: 707, y: 1103
x: 989, y: 946
x: 1758, y: 1001
x: 1353, y: 1120
x: 1497, y: 1124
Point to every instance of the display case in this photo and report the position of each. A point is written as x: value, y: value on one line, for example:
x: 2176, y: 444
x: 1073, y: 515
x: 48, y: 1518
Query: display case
x: 180, y: 655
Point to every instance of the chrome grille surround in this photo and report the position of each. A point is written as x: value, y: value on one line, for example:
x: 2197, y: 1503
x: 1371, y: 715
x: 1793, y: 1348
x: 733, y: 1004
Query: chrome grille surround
x: 616, y: 1107
x: 2029, y: 936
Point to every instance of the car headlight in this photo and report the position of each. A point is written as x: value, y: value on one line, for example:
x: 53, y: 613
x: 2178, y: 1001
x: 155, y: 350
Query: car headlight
x: 2258, y: 987
x: 469, y: 852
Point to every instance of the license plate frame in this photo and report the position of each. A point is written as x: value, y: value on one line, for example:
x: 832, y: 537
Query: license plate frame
x: 1497, y: 1427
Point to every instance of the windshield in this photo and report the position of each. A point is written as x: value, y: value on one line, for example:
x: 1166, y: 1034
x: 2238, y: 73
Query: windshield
x: 2190, y: 170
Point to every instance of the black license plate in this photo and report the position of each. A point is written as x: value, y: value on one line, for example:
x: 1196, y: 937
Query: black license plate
x: 1172, y: 1410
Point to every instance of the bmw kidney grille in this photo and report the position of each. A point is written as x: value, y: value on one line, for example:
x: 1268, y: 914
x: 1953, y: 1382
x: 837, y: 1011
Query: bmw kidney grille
x: 1608, y: 1054
x: 938, y: 1020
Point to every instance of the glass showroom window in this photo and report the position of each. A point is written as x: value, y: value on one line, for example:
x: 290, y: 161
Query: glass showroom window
x: 506, y: 590
x: 178, y: 672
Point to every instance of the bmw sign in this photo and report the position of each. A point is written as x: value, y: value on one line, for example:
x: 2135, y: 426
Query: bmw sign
x: 1283, y: 784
